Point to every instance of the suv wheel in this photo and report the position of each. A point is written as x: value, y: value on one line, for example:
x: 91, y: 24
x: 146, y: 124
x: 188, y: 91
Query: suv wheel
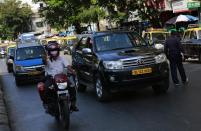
x: 80, y: 87
x: 162, y: 87
x: 101, y: 93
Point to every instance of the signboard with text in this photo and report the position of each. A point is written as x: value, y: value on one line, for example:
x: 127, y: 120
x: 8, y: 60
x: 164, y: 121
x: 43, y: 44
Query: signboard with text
x: 193, y: 4
x: 179, y: 6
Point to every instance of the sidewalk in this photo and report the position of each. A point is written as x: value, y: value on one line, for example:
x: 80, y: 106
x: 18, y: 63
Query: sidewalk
x: 4, y: 125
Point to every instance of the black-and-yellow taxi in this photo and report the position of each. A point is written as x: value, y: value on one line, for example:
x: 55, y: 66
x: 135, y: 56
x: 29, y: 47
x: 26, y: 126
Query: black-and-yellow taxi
x: 191, y: 43
x: 156, y: 37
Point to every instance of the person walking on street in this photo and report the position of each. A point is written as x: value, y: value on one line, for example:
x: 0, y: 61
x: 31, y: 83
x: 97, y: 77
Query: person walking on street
x: 174, y: 53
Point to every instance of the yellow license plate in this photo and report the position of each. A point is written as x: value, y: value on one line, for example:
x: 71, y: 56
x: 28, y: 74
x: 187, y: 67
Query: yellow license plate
x: 34, y: 73
x: 142, y: 71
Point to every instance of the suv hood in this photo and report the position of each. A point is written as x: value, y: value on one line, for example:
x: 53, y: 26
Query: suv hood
x: 127, y: 53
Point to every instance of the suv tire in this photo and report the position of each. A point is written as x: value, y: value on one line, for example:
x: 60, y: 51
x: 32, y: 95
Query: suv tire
x: 101, y: 92
x: 80, y: 87
x: 162, y: 87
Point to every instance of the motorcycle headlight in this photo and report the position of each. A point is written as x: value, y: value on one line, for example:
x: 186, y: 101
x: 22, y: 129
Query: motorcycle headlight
x: 113, y: 64
x: 160, y: 58
x: 62, y: 86
x: 19, y: 68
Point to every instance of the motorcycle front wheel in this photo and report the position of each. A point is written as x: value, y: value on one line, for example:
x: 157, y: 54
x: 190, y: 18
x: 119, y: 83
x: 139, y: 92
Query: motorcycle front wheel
x: 65, y: 114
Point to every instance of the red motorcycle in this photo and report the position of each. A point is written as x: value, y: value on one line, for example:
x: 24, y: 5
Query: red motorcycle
x: 58, y: 98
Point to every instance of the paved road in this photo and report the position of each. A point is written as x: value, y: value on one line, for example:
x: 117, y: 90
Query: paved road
x: 179, y: 110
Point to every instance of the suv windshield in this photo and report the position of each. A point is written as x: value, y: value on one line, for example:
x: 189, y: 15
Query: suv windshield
x: 115, y: 41
x: 30, y: 52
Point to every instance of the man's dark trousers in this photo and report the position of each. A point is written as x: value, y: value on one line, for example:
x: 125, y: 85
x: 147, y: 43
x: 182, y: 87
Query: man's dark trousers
x: 176, y: 63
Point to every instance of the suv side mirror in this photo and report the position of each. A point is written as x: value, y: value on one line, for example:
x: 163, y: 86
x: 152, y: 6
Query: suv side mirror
x: 86, y: 51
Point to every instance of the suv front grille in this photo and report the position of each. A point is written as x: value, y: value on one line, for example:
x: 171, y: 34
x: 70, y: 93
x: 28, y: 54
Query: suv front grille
x: 137, y: 62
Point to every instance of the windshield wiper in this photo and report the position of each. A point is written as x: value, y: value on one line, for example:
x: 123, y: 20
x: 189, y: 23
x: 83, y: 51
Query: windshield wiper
x: 121, y: 48
x: 32, y: 58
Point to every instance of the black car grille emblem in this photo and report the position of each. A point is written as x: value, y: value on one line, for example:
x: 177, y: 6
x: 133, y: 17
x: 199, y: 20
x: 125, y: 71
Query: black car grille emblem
x: 140, y: 62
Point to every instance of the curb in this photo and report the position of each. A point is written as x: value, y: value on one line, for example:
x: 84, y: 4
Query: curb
x: 4, y: 121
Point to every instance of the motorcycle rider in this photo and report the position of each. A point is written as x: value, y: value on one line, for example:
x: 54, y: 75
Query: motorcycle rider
x: 55, y: 65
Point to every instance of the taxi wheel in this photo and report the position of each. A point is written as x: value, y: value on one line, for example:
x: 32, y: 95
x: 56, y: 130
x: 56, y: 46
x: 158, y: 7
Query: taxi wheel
x: 161, y: 88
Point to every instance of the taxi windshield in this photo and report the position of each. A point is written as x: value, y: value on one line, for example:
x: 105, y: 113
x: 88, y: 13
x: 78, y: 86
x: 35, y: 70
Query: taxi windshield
x: 71, y: 42
x: 27, y: 53
x: 159, y: 36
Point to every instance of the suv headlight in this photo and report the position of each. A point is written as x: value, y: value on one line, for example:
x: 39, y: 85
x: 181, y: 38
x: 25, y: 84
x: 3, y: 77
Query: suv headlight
x: 113, y: 64
x: 19, y: 68
x: 159, y: 46
x: 160, y: 58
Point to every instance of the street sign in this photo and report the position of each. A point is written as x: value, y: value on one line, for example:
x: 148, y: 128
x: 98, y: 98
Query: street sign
x: 194, y: 4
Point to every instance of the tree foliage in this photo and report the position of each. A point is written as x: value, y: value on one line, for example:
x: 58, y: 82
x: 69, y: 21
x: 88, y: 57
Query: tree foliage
x: 62, y: 13
x: 147, y: 9
x: 15, y: 17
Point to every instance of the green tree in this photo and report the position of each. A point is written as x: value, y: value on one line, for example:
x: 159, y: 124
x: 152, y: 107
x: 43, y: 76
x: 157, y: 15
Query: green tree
x: 147, y: 9
x: 15, y: 17
x: 62, y: 13
x: 92, y: 14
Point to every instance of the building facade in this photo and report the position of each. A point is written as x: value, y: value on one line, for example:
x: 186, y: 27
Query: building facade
x: 38, y: 23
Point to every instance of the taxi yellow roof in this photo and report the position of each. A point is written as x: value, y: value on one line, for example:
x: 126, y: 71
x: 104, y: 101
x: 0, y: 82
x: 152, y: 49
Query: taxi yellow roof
x: 156, y: 30
x: 191, y: 29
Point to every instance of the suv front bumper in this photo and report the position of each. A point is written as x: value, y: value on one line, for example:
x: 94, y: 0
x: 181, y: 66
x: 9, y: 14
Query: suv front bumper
x: 124, y: 78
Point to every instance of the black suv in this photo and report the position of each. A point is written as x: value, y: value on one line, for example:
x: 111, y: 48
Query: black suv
x: 118, y: 60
